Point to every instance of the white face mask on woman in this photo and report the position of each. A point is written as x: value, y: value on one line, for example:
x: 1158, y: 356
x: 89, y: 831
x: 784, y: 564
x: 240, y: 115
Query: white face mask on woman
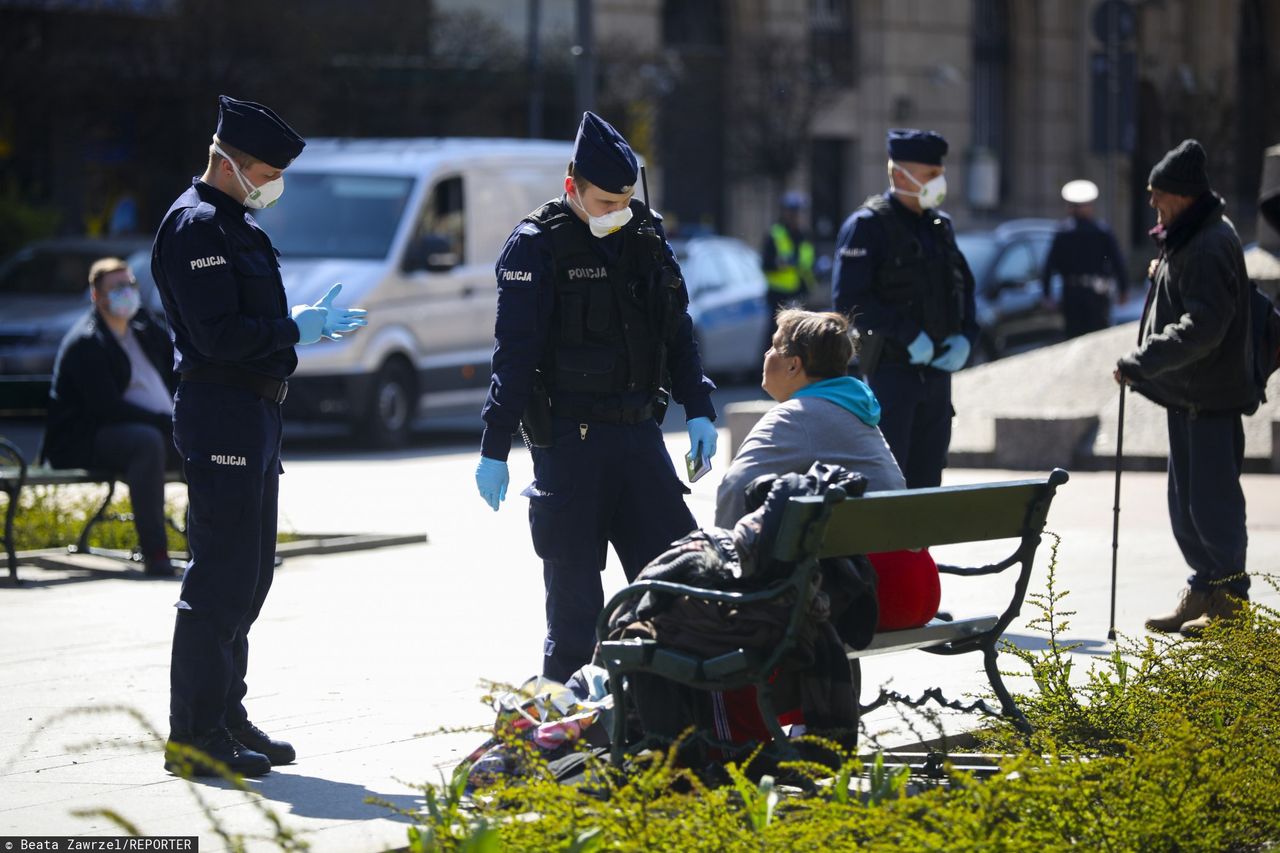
x: 932, y: 193
x: 603, y: 226
x: 255, y: 197
x: 124, y: 302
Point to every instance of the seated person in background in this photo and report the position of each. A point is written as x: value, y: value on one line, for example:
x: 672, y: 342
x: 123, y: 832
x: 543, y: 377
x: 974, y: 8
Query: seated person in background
x: 111, y: 404
x: 823, y: 415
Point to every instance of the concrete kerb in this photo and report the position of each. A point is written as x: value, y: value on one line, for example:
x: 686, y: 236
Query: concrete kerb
x: 305, y: 545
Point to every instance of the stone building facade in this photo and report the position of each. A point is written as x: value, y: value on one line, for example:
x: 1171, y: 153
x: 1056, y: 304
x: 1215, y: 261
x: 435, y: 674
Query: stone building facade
x: 1019, y: 87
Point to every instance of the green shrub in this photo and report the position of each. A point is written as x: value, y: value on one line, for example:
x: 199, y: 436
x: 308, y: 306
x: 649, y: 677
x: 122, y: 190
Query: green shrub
x: 1164, y: 745
x: 53, y: 516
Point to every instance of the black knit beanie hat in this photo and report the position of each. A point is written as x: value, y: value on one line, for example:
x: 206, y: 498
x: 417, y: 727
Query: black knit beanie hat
x: 1182, y: 171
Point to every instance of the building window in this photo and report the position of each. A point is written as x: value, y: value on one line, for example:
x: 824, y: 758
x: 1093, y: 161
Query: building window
x: 827, y: 183
x: 990, y: 74
x: 832, y: 44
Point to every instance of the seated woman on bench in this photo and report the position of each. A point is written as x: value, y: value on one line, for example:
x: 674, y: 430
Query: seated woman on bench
x: 823, y: 415
x: 111, y: 404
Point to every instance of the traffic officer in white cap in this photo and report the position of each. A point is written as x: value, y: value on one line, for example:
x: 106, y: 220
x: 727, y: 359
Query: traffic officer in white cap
x: 1085, y: 253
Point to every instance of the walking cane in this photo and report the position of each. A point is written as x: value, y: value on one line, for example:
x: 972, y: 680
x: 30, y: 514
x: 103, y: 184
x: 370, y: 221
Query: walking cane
x: 1115, y: 522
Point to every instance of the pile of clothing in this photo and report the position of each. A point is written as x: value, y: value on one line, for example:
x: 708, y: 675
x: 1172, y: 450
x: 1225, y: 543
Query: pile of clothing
x: 816, y: 679
x: 560, y: 723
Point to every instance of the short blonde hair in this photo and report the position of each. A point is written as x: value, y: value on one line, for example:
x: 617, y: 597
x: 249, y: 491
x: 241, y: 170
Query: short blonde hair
x: 241, y: 159
x: 104, y: 267
x: 824, y: 341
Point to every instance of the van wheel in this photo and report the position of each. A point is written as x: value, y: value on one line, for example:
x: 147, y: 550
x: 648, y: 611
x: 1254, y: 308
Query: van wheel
x: 392, y: 405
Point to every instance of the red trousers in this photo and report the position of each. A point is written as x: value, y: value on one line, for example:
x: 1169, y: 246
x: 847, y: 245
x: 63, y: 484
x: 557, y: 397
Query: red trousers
x: 907, y: 590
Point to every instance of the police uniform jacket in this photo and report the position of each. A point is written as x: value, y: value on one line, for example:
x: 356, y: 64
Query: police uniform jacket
x: 1082, y: 247
x: 1194, y: 338
x: 527, y: 300
x: 219, y: 279
x: 861, y: 252
x: 89, y: 380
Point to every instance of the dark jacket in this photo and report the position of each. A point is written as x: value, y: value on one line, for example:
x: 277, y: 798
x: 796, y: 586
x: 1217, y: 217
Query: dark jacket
x: 1194, y: 347
x: 89, y: 379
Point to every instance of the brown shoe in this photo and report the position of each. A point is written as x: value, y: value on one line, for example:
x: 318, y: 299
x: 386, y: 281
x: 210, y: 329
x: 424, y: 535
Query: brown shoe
x: 1222, y: 605
x: 1193, y: 604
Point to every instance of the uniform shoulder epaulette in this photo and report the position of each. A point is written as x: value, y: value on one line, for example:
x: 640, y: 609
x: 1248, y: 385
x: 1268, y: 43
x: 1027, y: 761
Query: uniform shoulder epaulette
x: 549, y: 215
x: 877, y: 203
x: 202, y: 212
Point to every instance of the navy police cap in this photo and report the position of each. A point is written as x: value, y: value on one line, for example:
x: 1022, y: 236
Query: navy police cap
x: 916, y: 146
x: 258, y: 132
x: 603, y: 157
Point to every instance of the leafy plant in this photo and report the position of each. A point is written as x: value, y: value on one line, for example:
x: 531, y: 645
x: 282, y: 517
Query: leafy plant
x: 1166, y: 744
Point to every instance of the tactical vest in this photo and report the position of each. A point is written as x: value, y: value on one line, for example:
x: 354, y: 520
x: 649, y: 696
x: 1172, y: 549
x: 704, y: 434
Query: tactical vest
x: 609, y: 319
x: 929, y: 290
x: 789, y: 278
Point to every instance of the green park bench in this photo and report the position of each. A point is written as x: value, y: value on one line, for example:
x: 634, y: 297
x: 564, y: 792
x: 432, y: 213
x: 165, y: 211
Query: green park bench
x: 834, y: 525
x: 27, y: 397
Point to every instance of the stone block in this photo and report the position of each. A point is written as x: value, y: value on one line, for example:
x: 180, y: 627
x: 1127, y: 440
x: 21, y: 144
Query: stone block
x: 1039, y: 444
x: 1275, y: 447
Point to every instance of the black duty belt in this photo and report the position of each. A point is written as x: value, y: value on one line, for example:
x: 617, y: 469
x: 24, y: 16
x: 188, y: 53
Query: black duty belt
x: 607, y: 413
x: 266, y: 387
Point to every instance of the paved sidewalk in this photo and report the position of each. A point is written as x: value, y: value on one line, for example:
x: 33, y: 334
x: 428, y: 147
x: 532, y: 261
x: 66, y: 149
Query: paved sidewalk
x: 358, y: 657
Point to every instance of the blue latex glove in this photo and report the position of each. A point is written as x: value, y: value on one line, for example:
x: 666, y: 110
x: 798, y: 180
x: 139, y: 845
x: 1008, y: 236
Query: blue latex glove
x: 702, y: 432
x: 956, y: 353
x: 920, y: 351
x: 310, y: 322
x: 492, y: 478
x: 339, y: 321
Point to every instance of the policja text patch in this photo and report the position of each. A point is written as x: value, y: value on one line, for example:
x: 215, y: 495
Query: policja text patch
x: 211, y: 261
x: 220, y: 459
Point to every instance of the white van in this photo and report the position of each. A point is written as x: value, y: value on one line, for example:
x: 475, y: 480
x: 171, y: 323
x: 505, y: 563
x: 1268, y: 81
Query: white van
x: 412, y: 229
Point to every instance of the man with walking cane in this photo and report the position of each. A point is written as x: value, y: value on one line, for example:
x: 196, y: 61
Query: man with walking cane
x: 1193, y: 359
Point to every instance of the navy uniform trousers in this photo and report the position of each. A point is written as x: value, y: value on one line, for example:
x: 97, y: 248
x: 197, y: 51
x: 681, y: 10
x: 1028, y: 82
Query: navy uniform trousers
x: 1206, y: 503
x: 615, y: 485
x: 915, y: 417
x: 229, y: 439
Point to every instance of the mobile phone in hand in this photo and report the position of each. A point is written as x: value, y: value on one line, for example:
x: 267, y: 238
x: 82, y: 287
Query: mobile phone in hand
x: 696, y: 467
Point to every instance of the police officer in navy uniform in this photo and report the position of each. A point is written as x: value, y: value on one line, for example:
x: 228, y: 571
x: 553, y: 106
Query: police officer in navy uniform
x: 900, y: 276
x: 593, y: 326
x: 1085, y: 253
x: 234, y: 337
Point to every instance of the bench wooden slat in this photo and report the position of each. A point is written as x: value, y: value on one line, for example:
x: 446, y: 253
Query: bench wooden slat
x: 919, y: 518
x: 935, y: 633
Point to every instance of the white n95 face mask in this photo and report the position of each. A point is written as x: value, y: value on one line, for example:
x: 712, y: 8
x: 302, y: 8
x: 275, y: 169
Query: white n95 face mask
x: 255, y: 197
x: 603, y: 226
x: 932, y: 193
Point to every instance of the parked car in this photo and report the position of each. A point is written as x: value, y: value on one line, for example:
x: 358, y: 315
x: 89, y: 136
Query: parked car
x: 1012, y: 314
x: 44, y: 289
x: 1011, y: 311
x: 726, y: 303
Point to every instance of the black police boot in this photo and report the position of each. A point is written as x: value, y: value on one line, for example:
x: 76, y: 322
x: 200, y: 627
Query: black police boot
x: 256, y: 739
x: 218, y: 745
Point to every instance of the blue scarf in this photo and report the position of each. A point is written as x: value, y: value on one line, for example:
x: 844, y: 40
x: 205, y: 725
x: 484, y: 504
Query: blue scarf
x: 847, y: 393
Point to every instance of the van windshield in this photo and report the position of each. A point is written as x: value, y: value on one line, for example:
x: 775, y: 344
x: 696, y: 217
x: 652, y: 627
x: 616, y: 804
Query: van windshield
x: 336, y: 216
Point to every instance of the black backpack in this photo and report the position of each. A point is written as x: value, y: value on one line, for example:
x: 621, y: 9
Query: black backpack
x: 1265, y: 327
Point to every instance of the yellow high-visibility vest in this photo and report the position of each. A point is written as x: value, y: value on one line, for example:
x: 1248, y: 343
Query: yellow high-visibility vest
x: 789, y: 278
